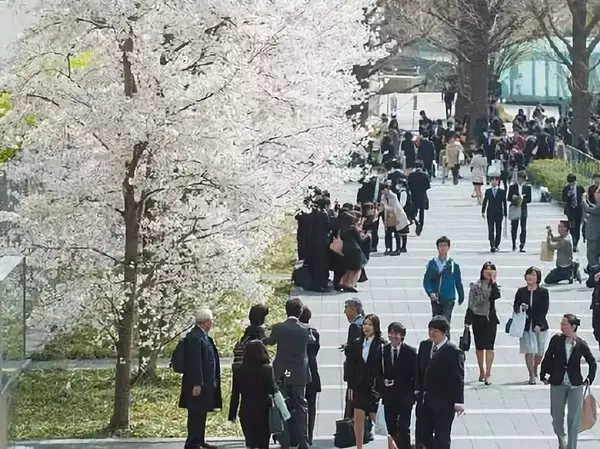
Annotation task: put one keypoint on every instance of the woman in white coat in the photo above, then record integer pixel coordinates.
(478, 167)
(396, 222)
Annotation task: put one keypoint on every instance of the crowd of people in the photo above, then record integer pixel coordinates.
(279, 399)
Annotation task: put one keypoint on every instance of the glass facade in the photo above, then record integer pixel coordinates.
(540, 77)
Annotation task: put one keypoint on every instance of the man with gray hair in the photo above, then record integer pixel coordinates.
(201, 382)
(355, 315)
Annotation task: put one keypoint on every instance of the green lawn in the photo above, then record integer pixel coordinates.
(78, 404)
(51, 404)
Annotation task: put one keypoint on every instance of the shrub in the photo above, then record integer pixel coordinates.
(552, 174)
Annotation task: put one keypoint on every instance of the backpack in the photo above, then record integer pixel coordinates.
(178, 357)
(238, 351)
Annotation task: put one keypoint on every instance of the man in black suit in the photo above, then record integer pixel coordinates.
(355, 315)
(419, 184)
(291, 368)
(314, 387)
(494, 209)
(519, 195)
(201, 382)
(572, 198)
(399, 360)
(439, 386)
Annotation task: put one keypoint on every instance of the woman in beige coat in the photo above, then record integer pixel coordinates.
(453, 152)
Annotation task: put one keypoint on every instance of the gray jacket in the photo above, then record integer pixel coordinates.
(592, 222)
(291, 360)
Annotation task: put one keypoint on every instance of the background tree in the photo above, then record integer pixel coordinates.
(160, 171)
(575, 53)
(473, 31)
(385, 19)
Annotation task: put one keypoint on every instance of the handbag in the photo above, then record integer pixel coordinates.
(495, 169)
(514, 213)
(546, 253)
(276, 421)
(344, 433)
(336, 245)
(589, 410)
(517, 324)
(380, 424)
(464, 343)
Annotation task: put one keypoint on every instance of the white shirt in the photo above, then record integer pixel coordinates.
(438, 346)
(366, 348)
(568, 350)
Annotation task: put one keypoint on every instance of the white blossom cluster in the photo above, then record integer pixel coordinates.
(234, 108)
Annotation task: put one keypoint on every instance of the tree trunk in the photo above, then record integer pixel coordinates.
(126, 320)
(463, 94)
(478, 116)
(580, 96)
(120, 417)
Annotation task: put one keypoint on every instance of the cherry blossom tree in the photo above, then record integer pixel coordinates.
(158, 171)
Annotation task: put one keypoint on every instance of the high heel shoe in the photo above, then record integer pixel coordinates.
(487, 381)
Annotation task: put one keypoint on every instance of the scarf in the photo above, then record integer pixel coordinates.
(479, 298)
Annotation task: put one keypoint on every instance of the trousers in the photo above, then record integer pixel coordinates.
(397, 420)
(572, 398)
(514, 226)
(559, 274)
(494, 231)
(196, 428)
(444, 309)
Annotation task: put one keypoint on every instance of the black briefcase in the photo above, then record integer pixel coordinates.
(344, 433)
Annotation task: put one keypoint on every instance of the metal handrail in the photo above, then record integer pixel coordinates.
(581, 163)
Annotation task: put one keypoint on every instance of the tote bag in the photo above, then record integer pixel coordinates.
(514, 213)
(589, 411)
(495, 169)
(380, 427)
(517, 325)
(546, 253)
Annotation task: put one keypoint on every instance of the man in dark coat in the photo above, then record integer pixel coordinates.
(426, 154)
(201, 383)
(419, 184)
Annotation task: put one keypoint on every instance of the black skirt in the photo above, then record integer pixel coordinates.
(484, 332)
(366, 398)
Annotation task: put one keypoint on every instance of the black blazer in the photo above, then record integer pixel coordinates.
(418, 184)
(555, 363)
(513, 190)
(579, 191)
(312, 350)
(494, 205)
(536, 314)
(354, 333)
(440, 380)
(361, 373)
(402, 373)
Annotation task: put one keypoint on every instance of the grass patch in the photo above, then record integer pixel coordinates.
(81, 342)
(552, 174)
(12, 339)
(78, 404)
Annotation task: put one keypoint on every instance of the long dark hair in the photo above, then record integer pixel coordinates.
(255, 354)
(376, 322)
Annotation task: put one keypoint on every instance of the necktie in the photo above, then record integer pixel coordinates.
(395, 356)
(435, 349)
(494, 191)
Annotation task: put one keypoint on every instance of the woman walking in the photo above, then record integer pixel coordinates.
(562, 363)
(481, 315)
(256, 384)
(478, 167)
(365, 374)
(534, 301)
(396, 222)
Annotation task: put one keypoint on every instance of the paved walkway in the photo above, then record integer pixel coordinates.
(507, 414)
